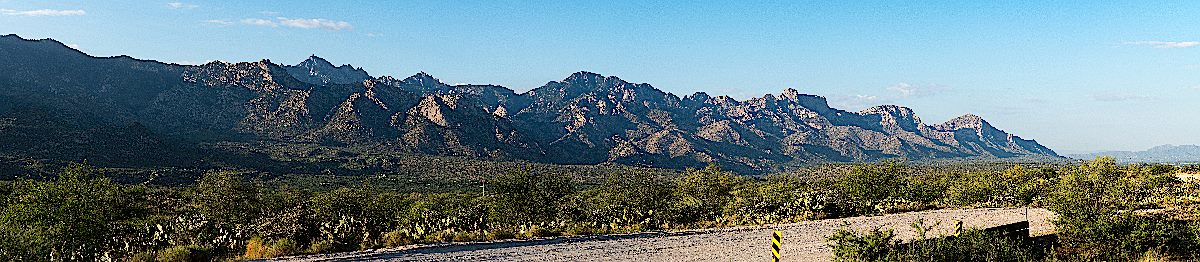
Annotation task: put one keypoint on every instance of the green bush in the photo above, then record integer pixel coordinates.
(874, 245)
(189, 253)
(969, 245)
(71, 217)
(526, 198)
(1106, 211)
(624, 199)
(226, 198)
(701, 194)
(259, 248)
(869, 185)
(1096, 203)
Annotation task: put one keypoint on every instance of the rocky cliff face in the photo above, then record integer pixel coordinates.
(586, 118)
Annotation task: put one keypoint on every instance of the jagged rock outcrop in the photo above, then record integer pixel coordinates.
(318, 71)
(585, 118)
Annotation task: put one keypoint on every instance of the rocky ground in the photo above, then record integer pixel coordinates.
(803, 241)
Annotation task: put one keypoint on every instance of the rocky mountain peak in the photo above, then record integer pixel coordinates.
(586, 118)
(965, 121)
(769, 98)
(891, 110)
(811, 102)
(584, 77)
(315, 61)
(318, 71)
(422, 79)
(696, 98)
(790, 94)
(893, 115)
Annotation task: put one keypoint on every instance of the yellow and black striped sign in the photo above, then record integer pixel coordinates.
(776, 242)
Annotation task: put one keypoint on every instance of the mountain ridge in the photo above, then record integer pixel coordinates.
(1159, 154)
(586, 118)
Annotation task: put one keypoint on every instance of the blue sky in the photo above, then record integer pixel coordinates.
(1077, 76)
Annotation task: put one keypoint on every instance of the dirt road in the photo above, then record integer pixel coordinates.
(803, 241)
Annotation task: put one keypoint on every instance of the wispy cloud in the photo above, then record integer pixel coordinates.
(180, 5)
(259, 22)
(218, 22)
(1120, 97)
(904, 90)
(315, 23)
(73, 46)
(42, 12)
(1167, 44)
(310, 23)
(857, 102)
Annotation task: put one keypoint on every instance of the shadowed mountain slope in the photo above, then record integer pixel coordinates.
(585, 118)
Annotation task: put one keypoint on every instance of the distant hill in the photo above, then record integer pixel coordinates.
(1158, 154)
(59, 103)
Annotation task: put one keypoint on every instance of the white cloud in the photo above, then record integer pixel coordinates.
(73, 46)
(315, 23)
(218, 22)
(374, 34)
(42, 12)
(904, 90)
(856, 102)
(1167, 44)
(259, 21)
(179, 5)
(1120, 97)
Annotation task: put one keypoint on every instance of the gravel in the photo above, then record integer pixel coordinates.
(804, 241)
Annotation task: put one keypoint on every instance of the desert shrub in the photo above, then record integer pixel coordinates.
(226, 198)
(285, 214)
(321, 246)
(527, 198)
(874, 245)
(1194, 169)
(1016, 186)
(1102, 211)
(189, 253)
(1096, 203)
(397, 238)
(258, 248)
(624, 199)
(969, 245)
(869, 185)
(775, 202)
(145, 256)
(433, 213)
(352, 218)
(701, 194)
(923, 189)
(71, 217)
(972, 189)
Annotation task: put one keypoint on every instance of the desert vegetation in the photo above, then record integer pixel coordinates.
(1106, 211)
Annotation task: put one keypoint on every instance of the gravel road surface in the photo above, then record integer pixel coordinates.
(803, 241)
